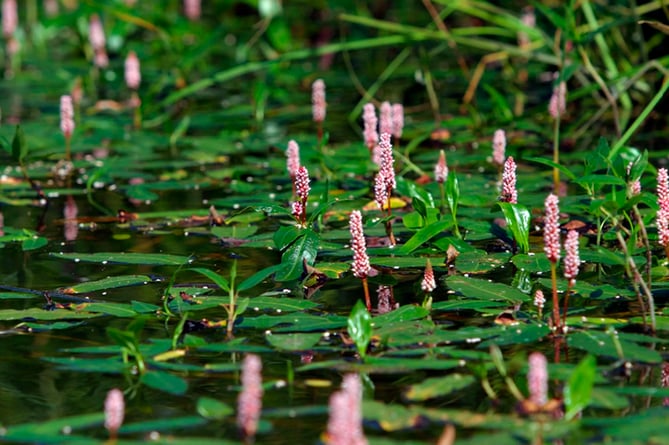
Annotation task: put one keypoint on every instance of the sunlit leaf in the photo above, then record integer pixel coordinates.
(293, 342)
(579, 387)
(360, 327)
(438, 387)
(124, 258)
(164, 381)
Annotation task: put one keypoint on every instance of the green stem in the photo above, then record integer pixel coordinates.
(556, 299)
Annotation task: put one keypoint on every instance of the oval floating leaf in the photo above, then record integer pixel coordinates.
(438, 387)
(293, 341)
(108, 283)
(156, 259)
(164, 381)
(484, 290)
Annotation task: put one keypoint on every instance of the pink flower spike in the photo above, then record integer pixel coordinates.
(386, 118)
(10, 18)
(663, 189)
(558, 103)
(370, 123)
(380, 190)
(385, 300)
(509, 192)
(96, 33)
(537, 378)
(529, 19)
(345, 420)
(360, 265)
(51, 7)
(318, 100)
(387, 161)
(428, 284)
(192, 9)
(297, 209)
(539, 299)
(302, 184)
(133, 75)
(441, 169)
(249, 402)
(398, 121)
(114, 411)
(662, 221)
(499, 147)
(293, 158)
(571, 259)
(552, 229)
(66, 116)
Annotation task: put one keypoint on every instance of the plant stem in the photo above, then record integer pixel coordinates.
(365, 287)
(556, 300)
(556, 154)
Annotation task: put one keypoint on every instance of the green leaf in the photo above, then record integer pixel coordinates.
(42, 314)
(19, 146)
(484, 290)
(424, 235)
(294, 341)
(108, 283)
(285, 235)
(598, 180)
(360, 327)
(164, 381)
(518, 221)
(156, 259)
(438, 387)
(213, 409)
(579, 387)
(33, 243)
(258, 277)
(213, 276)
(564, 170)
(304, 249)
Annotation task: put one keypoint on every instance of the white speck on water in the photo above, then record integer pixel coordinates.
(249, 179)
(272, 196)
(285, 291)
(205, 201)
(235, 206)
(154, 435)
(473, 340)
(76, 260)
(466, 275)
(256, 308)
(326, 335)
(268, 332)
(67, 430)
(190, 260)
(462, 362)
(104, 293)
(278, 311)
(186, 233)
(280, 384)
(105, 262)
(540, 273)
(396, 267)
(531, 253)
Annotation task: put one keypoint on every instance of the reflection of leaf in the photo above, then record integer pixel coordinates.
(438, 387)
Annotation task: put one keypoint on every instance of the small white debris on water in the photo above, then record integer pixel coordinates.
(278, 311)
(205, 201)
(154, 435)
(473, 340)
(76, 260)
(481, 169)
(67, 430)
(466, 275)
(104, 293)
(326, 335)
(256, 308)
(268, 332)
(280, 384)
(617, 296)
(584, 319)
(539, 273)
(186, 233)
(249, 179)
(111, 187)
(190, 260)
(285, 291)
(396, 267)
(235, 206)
(104, 262)
(462, 362)
(272, 195)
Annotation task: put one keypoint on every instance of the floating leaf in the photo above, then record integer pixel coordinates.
(423, 236)
(164, 381)
(438, 387)
(157, 259)
(108, 283)
(213, 409)
(42, 314)
(484, 290)
(293, 342)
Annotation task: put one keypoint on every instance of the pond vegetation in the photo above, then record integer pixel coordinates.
(349, 222)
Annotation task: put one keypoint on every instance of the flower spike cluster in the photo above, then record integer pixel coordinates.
(558, 103)
(96, 37)
(386, 124)
(441, 169)
(428, 284)
(114, 411)
(537, 378)
(361, 266)
(572, 260)
(509, 192)
(133, 75)
(302, 188)
(66, 116)
(318, 100)
(370, 122)
(398, 121)
(293, 159)
(662, 216)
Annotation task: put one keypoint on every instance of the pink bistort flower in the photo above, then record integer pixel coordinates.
(558, 103)
(428, 284)
(572, 260)
(440, 168)
(66, 116)
(114, 411)
(133, 75)
(10, 18)
(192, 9)
(552, 229)
(249, 402)
(345, 421)
(663, 189)
(293, 158)
(361, 266)
(96, 37)
(386, 118)
(499, 147)
(370, 121)
(509, 192)
(537, 378)
(318, 100)
(398, 121)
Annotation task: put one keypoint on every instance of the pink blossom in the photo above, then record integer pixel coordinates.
(70, 225)
(10, 18)
(386, 118)
(380, 190)
(66, 116)
(361, 266)
(96, 33)
(387, 161)
(558, 103)
(114, 411)
(428, 284)
(302, 187)
(539, 299)
(297, 209)
(633, 186)
(441, 169)
(249, 402)
(398, 121)
(370, 122)
(529, 19)
(51, 7)
(345, 420)
(192, 9)
(663, 189)
(552, 228)
(499, 147)
(509, 192)
(662, 221)
(318, 100)
(537, 378)
(571, 259)
(133, 75)
(293, 158)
